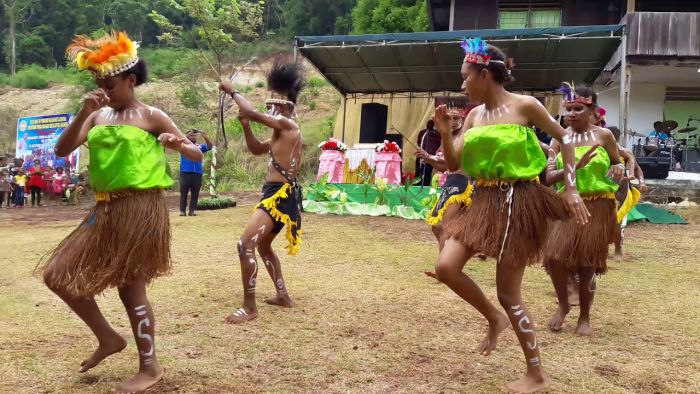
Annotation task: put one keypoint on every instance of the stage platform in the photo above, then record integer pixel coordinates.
(679, 186)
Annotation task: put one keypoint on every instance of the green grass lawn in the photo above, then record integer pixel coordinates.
(366, 318)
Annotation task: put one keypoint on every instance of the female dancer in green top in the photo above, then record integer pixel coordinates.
(571, 248)
(508, 216)
(124, 241)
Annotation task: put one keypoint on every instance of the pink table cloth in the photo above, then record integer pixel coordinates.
(388, 166)
(332, 163)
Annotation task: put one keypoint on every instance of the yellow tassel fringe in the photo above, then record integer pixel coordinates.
(464, 198)
(632, 199)
(270, 204)
(502, 182)
(609, 196)
(109, 196)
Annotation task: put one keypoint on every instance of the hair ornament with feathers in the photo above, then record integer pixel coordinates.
(475, 52)
(107, 56)
(287, 80)
(568, 90)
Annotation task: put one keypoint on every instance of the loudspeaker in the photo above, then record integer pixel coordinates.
(654, 167)
(692, 160)
(373, 123)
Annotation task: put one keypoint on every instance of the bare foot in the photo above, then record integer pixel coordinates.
(431, 274)
(241, 316)
(528, 384)
(584, 328)
(557, 320)
(491, 339)
(281, 300)
(143, 380)
(104, 350)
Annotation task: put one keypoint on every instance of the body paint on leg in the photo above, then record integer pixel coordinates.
(517, 311)
(147, 355)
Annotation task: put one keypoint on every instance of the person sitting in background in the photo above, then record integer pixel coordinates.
(191, 174)
(429, 140)
(74, 187)
(659, 131)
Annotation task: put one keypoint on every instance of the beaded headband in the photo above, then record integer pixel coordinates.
(279, 101)
(570, 96)
(475, 52)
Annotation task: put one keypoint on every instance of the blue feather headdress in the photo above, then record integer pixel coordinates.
(475, 51)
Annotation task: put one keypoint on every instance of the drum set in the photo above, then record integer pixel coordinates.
(682, 146)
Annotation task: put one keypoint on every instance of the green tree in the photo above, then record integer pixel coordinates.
(219, 25)
(16, 12)
(32, 49)
(390, 16)
(318, 17)
(128, 15)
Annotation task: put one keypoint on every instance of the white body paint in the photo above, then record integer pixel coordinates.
(517, 311)
(111, 114)
(592, 285)
(141, 311)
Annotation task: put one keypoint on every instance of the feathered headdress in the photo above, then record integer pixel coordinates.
(285, 79)
(475, 52)
(568, 90)
(107, 56)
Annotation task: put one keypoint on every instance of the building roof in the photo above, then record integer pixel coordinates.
(430, 61)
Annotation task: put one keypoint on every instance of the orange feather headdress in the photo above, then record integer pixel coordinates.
(106, 56)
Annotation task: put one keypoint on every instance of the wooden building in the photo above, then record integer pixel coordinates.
(662, 55)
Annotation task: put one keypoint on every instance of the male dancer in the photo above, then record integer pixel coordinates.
(281, 202)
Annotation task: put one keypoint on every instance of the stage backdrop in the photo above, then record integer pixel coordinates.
(36, 138)
(407, 115)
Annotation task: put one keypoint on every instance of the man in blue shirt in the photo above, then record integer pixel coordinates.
(660, 131)
(191, 174)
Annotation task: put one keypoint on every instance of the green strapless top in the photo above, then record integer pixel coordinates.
(505, 152)
(126, 157)
(591, 180)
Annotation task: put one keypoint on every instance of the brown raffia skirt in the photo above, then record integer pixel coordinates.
(583, 246)
(124, 238)
(482, 226)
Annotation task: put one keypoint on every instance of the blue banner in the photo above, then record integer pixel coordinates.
(36, 138)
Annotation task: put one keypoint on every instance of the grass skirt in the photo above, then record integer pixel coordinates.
(482, 226)
(583, 246)
(125, 236)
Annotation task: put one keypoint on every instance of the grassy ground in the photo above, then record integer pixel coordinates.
(366, 319)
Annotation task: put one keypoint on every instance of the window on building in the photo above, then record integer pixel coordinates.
(532, 13)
